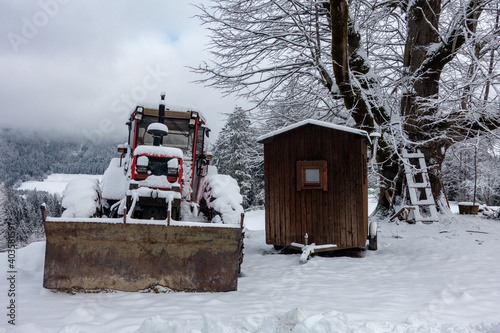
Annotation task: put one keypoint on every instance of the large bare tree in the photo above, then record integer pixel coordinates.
(424, 73)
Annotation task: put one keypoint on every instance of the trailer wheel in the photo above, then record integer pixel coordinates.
(241, 254)
(372, 237)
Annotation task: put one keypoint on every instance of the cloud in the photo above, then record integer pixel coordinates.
(70, 66)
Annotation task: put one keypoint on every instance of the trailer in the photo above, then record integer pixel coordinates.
(316, 187)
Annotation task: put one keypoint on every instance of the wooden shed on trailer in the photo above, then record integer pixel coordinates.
(316, 184)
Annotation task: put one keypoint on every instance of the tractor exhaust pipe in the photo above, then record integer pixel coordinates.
(161, 109)
(159, 130)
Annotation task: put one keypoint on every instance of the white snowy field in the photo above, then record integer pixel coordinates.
(443, 277)
(54, 183)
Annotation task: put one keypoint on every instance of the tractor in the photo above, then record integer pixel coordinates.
(161, 216)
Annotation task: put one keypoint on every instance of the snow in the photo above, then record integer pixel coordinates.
(192, 224)
(314, 122)
(442, 277)
(423, 278)
(467, 203)
(433, 48)
(222, 193)
(176, 107)
(154, 193)
(173, 163)
(307, 250)
(81, 198)
(142, 161)
(158, 151)
(114, 181)
(169, 196)
(54, 183)
(156, 181)
(86, 219)
(158, 128)
(373, 229)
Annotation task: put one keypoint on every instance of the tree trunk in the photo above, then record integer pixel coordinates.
(425, 56)
(419, 103)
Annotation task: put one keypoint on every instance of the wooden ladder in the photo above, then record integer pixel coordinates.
(419, 187)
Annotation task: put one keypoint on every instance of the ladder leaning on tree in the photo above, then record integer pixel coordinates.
(419, 187)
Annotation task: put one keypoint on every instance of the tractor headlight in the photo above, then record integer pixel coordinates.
(173, 167)
(142, 164)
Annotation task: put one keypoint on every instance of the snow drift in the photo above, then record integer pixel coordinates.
(81, 198)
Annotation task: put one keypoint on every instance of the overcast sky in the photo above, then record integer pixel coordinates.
(82, 66)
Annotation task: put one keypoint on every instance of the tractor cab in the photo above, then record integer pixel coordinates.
(185, 131)
(167, 158)
(180, 128)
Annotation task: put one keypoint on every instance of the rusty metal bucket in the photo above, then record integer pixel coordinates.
(110, 254)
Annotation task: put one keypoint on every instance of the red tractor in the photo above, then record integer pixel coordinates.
(165, 218)
(164, 161)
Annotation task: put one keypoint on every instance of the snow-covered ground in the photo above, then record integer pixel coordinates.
(443, 277)
(54, 183)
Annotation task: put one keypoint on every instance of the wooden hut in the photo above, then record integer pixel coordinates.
(316, 184)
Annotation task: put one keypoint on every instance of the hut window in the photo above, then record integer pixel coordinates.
(311, 175)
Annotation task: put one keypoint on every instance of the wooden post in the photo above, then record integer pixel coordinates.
(445, 195)
(388, 197)
(168, 217)
(124, 215)
(242, 219)
(44, 212)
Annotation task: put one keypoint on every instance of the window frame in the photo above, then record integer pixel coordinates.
(302, 184)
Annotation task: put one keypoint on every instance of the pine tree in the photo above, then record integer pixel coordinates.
(22, 211)
(237, 153)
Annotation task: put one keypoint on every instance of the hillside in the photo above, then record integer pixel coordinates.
(32, 156)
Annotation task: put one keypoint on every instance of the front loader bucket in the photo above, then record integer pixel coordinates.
(107, 254)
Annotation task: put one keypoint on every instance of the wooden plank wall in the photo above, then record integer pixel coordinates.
(337, 216)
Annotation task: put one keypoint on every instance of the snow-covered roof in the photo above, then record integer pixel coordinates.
(175, 108)
(317, 123)
(171, 107)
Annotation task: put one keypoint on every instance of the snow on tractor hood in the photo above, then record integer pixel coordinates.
(159, 151)
(155, 181)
